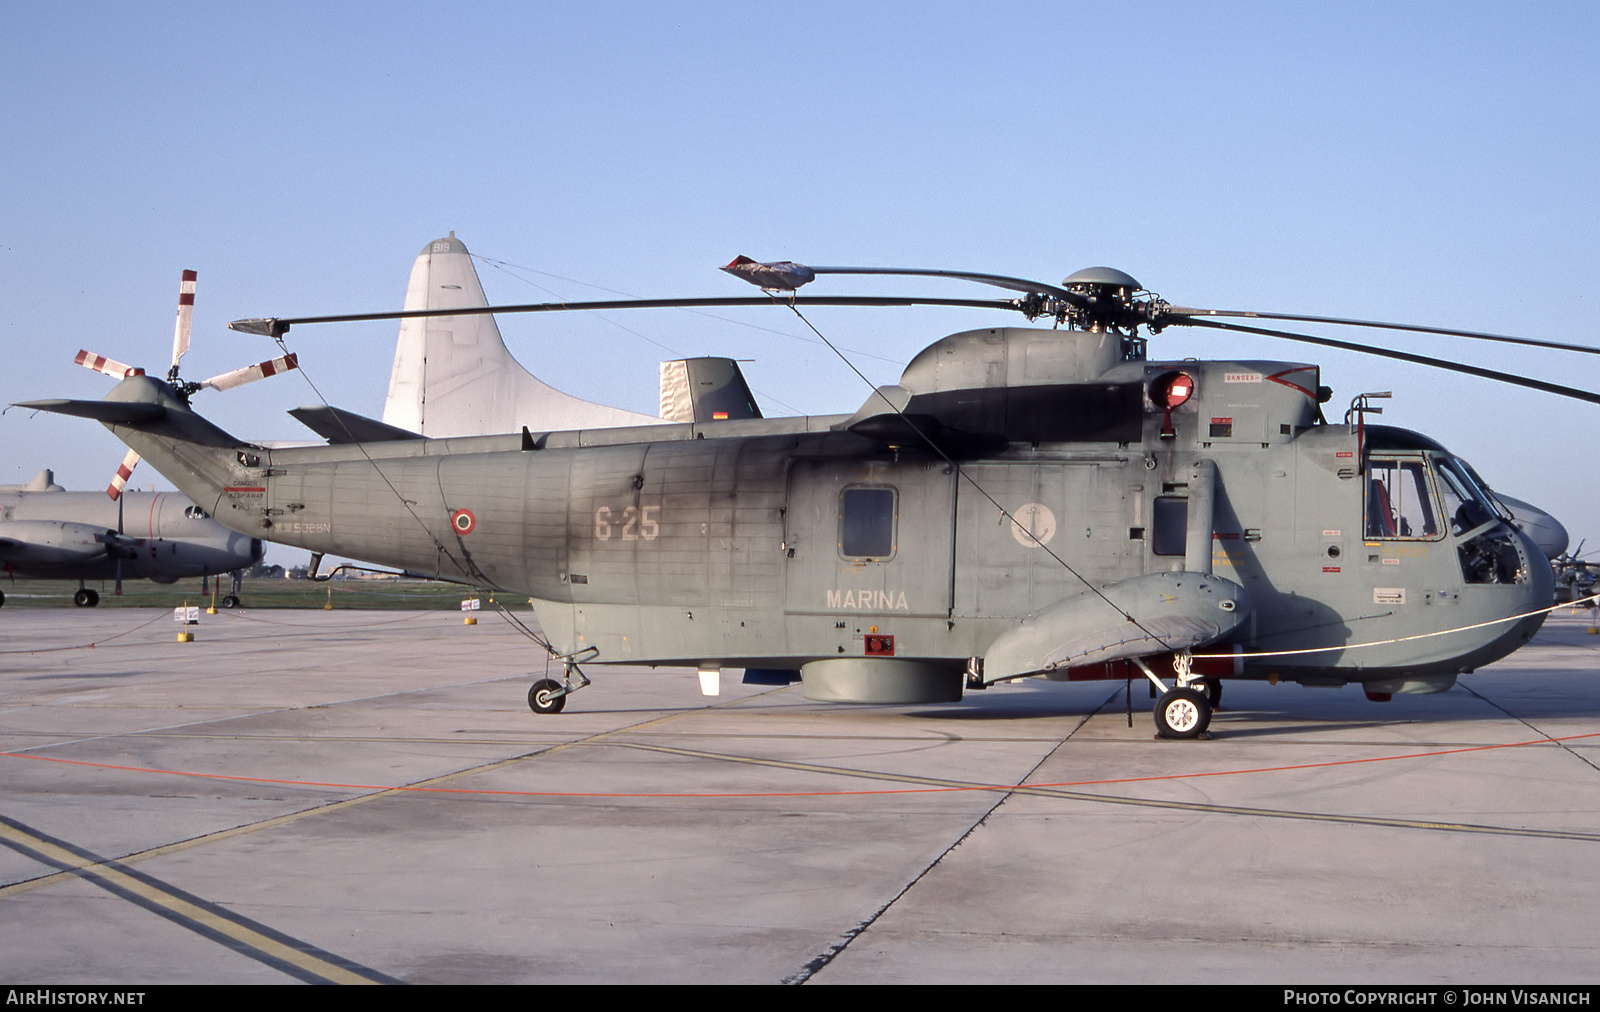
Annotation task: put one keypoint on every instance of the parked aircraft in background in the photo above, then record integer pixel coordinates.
(48, 533)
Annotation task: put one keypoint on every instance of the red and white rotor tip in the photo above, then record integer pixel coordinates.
(120, 482)
(109, 366)
(180, 333)
(251, 373)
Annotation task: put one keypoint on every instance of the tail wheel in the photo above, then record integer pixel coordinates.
(1182, 713)
(546, 696)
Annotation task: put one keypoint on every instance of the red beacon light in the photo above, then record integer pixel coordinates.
(1167, 391)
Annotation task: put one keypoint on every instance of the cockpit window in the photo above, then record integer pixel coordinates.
(1399, 504)
(196, 513)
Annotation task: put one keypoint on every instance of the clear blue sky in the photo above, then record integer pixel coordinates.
(1429, 163)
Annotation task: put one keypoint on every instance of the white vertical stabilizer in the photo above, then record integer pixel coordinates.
(453, 375)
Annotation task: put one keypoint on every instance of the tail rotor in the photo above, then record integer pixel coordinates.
(183, 388)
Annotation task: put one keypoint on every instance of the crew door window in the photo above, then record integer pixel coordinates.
(1170, 522)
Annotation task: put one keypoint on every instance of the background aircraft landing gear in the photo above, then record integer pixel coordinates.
(232, 599)
(85, 598)
(1182, 713)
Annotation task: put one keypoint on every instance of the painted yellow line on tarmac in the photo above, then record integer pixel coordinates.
(299, 959)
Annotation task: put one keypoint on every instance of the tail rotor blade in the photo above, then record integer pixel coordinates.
(120, 481)
(110, 366)
(249, 374)
(180, 333)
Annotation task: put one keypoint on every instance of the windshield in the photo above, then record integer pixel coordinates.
(1467, 505)
(1483, 486)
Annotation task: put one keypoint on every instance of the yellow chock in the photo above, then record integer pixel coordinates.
(328, 606)
(1593, 630)
(186, 637)
(211, 609)
(469, 620)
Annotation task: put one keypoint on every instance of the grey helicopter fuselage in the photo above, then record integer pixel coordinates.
(1071, 499)
(54, 534)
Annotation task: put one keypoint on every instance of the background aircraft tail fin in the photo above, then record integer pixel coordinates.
(454, 376)
(705, 390)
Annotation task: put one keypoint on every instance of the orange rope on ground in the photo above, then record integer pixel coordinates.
(90, 646)
(806, 794)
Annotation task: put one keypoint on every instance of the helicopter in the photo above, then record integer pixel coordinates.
(1025, 502)
(1575, 577)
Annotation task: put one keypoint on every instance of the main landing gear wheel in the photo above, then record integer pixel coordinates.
(230, 601)
(1212, 687)
(542, 697)
(1182, 713)
(85, 598)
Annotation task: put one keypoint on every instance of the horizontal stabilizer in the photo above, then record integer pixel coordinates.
(144, 404)
(337, 426)
(116, 412)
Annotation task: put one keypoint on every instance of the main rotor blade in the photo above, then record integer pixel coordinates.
(274, 326)
(997, 280)
(1377, 324)
(1406, 356)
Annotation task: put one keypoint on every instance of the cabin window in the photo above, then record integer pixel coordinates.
(1169, 522)
(866, 523)
(1399, 504)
